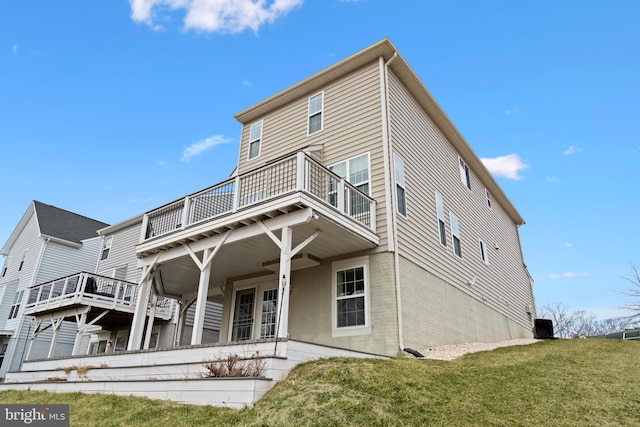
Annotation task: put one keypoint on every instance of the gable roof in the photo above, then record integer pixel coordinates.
(386, 50)
(56, 223)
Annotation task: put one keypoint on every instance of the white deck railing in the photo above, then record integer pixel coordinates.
(88, 289)
(295, 173)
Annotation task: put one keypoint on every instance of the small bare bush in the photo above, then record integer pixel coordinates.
(234, 366)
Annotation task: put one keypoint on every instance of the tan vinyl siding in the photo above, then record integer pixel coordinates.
(431, 164)
(352, 126)
(123, 252)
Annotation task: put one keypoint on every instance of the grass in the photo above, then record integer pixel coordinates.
(551, 383)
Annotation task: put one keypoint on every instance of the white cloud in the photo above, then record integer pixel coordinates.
(552, 179)
(512, 111)
(571, 150)
(216, 16)
(567, 275)
(568, 245)
(14, 49)
(201, 146)
(247, 83)
(508, 166)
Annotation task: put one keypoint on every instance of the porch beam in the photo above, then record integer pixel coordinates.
(293, 218)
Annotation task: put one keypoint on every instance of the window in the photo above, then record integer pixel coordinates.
(255, 312)
(455, 234)
(255, 137)
(106, 247)
(316, 105)
(15, 307)
(488, 196)
(243, 315)
(356, 172)
(350, 309)
(401, 203)
(269, 314)
(484, 254)
(441, 228)
(464, 174)
(6, 265)
(24, 257)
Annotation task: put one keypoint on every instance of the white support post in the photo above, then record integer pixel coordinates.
(300, 160)
(236, 194)
(201, 302)
(80, 321)
(32, 340)
(340, 194)
(137, 324)
(152, 315)
(185, 212)
(54, 339)
(285, 284)
(145, 226)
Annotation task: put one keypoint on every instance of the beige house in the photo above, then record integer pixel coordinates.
(359, 218)
(358, 222)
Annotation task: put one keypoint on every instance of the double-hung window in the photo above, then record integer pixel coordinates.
(441, 218)
(350, 309)
(316, 107)
(15, 307)
(455, 235)
(255, 139)
(24, 257)
(6, 265)
(484, 254)
(464, 174)
(106, 247)
(401, 202)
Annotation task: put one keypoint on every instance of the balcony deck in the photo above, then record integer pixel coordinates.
(284, 186)
(92, 290)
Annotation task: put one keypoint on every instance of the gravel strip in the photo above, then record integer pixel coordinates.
(453, 351)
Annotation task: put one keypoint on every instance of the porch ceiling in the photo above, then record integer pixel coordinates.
(179, 276)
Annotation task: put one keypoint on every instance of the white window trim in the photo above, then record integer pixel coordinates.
(347, 170)
(488, 197)
(259, 139)
(484, 253)
(5, 267)
(260, 284)
(398, 168)
(321, 112)
(106, 247)
(23, 260)
(350, 330)
(455, 233)
(465, 173)
(16, 305)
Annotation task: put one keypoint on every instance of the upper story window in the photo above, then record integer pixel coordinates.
(255, 139)
(6, 265)
(488, 196)
(356, 172)
(401, 202)
(455, 235)
(106, 247)
(24, 257)
(316, 106)
(15, 307)
(484, 254)
(441, 227)
(464, 174)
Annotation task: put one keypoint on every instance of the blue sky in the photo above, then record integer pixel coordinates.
(112, 108)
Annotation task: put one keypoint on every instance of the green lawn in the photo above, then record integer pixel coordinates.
(552, 383)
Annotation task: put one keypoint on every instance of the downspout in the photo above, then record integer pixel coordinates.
(393, 230)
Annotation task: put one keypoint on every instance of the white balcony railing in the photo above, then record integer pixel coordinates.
(295, 173)
(88, 289)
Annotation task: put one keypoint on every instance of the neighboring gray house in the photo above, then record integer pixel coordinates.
(47, 243)
(358, 222)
